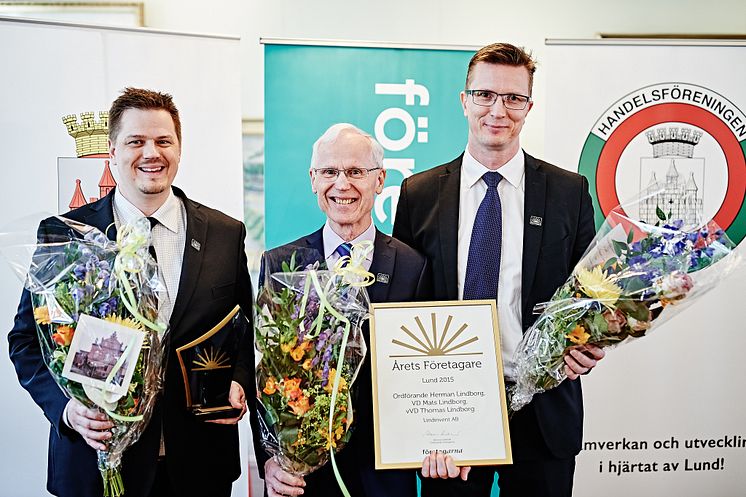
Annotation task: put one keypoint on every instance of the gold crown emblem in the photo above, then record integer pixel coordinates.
(211, 359)
(433, 343)
(90, 135)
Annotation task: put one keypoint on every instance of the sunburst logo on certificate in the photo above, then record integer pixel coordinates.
(435, 342)
(211, 359)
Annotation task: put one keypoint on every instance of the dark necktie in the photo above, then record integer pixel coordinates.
(344, 251)
(151, 249)
(483, 264)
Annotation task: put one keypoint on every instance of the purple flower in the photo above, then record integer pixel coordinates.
(635, 260)
(108, 307)
(79, 272)
(674, 225)
(91, 263)
(296, 311)
(327, 355)
(325, 375)
(312, 311)
(321, 339)
(104, 276)
(77, 294)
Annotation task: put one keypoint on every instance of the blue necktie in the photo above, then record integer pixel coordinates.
(344, 251)
(483, 264)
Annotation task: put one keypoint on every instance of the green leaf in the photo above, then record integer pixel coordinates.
(637, 310)
(619, 247)
(270, 415)
(659, 212)
(609, 263)
(630, 236)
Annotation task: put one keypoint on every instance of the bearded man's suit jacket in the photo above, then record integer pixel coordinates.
(214, 279)
(408, 280)
(558, 227)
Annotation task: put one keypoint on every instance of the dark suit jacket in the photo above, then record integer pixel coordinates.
(409, 280)
(213, 280)
(427, 219)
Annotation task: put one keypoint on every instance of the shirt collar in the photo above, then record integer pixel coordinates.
(513, 171)
(333, 240)
(167, 214)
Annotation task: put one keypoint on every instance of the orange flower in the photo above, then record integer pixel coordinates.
(271, 386)
(292, 389)
(41, 314)
(307, 364)
(339, 432)
(578, 335)
(64, 335)
(330, 383)
(300, 406)
(287, 347)
(298, 353)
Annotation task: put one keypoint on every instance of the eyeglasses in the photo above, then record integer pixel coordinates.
(511, 101)
(352, 173)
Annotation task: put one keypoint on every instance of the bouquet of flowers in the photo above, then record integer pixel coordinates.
(95, 304)
(308, 331)
(634, 275)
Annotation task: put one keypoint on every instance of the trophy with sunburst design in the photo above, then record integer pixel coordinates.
(207, 367)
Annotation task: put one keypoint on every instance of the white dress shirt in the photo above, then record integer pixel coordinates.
(333, 240)
(512, 192)
(169, 237)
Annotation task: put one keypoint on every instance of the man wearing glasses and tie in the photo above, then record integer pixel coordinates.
(496, 223)
(346, 175)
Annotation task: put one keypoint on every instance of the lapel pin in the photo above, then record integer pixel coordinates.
(535, 221)
(382, 278)
(196, 245)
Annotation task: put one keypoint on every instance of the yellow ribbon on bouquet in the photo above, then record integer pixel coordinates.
(353, 274)
(131, 238)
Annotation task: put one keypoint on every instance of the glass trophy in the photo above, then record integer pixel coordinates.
(207, 365)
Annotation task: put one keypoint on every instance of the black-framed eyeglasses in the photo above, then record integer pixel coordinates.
(352, 173)
(486, 98)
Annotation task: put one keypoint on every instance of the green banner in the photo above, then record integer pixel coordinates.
(407, 98)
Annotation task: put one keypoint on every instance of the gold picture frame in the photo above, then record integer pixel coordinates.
(404, 385)
(122, 14)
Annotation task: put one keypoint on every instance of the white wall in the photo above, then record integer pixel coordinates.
(464, 22)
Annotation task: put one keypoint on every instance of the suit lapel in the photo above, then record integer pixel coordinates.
(192, 260)
(384, 257)
(534, 203)
(102, 216)
(448, 206)
(316, 241)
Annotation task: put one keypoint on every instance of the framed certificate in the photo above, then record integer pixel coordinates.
(438, 383)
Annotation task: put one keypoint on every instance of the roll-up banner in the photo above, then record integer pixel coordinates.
(664, 415)
(58, 77)
(406, 96)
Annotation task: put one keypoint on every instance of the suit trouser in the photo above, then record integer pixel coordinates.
(162, 486)
(535, 472)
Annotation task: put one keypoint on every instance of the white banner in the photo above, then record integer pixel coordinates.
(53, 70)
(664, 415)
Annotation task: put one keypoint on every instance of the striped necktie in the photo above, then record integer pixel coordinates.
(344, 250)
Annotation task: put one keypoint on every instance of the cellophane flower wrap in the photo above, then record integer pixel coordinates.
(77, 271)
(309, 333)
(633, 277)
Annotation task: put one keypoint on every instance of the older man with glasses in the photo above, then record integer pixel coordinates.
(346, 175)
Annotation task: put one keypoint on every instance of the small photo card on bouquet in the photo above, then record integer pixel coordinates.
(103, 354)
